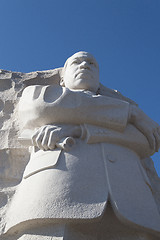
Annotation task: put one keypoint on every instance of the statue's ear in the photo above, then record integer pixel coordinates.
(62, 82)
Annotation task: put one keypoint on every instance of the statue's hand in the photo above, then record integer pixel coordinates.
(146, 125)
(46, 137)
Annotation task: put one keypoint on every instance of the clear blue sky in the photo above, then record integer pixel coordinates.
(123, 35)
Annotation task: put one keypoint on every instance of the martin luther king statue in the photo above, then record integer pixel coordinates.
(84, 179)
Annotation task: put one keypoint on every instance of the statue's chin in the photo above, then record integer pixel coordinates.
(83, 83)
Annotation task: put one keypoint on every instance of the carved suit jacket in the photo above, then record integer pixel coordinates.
(104, 165)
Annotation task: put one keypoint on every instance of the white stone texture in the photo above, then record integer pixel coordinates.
(14, 157)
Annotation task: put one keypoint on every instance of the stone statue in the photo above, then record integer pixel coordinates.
(84, 179)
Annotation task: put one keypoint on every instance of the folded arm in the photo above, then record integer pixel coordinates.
(149, 128)
(50, 105)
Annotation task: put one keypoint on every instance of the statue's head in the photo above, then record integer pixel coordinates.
(81, 72)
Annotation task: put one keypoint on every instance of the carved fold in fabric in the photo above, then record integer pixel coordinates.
(71, 108)
(131, 138)
(40, 161)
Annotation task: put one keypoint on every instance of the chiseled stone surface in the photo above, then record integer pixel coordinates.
(13, 155)
(20, 213)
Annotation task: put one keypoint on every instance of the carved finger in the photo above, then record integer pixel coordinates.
(158, 130)
(52, 140)
(157, 140)
(39, 140)
(35, 135)
(40, 137)
(152, 141)
(46, 138)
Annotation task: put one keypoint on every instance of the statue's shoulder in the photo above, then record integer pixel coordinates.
(34, 91)
(115, 94)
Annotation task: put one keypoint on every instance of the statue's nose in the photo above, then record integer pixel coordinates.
(84, 65)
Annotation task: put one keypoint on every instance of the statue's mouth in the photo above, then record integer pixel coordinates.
(83, 72)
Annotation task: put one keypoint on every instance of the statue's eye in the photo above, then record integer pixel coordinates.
(75, 62)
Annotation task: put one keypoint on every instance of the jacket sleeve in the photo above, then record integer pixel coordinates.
(41, 105)
(131, 138)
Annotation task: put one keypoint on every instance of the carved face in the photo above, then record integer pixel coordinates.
(81, 71)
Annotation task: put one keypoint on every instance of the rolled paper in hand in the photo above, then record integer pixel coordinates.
(65, 143)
